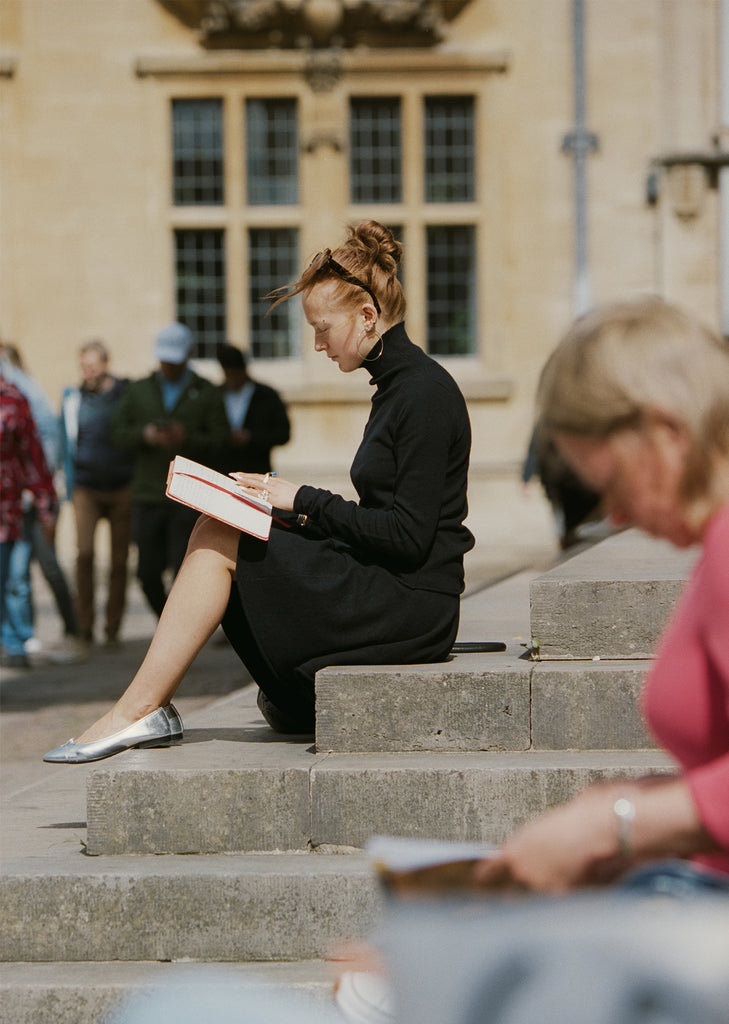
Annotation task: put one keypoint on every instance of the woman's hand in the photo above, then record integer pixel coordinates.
(568, 846)
(269, 487)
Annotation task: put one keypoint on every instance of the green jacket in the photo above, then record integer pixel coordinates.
(199, 409)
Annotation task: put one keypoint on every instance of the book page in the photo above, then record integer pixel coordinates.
(194, 472)
(401, 853)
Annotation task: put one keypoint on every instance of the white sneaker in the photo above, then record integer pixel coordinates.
(33, 645)
(69, 651)
(364, 997)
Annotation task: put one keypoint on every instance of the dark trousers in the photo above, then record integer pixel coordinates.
(91, 505)
(55, 577)
(161, 533)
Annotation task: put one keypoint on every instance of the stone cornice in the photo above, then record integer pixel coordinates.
(295, 24)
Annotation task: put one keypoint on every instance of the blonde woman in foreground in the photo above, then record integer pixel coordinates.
(636, 397)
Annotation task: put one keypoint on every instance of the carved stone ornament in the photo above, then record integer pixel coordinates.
(315, 24)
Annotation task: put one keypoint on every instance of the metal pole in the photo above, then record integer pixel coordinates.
(580, 143)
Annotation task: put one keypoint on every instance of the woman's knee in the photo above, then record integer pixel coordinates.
(211, 535)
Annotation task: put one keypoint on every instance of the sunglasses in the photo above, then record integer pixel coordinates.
(325, 261)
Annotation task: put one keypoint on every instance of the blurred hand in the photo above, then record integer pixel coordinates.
(164, 435)
(240, 438)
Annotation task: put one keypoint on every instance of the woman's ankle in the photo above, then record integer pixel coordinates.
(132, 711)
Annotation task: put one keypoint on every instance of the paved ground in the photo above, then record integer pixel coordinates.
(45, 705)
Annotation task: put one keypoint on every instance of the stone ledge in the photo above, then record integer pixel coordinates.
(455, 796)
(198, 811)
(225, 908)
(482, 703)
(611, 601)
(230, 804)
(474, 702)
(588, 706)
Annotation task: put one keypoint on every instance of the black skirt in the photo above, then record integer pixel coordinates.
(300, 603)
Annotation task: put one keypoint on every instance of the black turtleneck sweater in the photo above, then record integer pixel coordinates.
(410, 472)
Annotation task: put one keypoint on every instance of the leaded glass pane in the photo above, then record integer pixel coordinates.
(449, 149)
(273, 259)
(272, 152)
(197, 152)
(200, 286)
(375, 158)
(451, 264)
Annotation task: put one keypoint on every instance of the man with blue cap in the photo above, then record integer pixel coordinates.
(172, 412)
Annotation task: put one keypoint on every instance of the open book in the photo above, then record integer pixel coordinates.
(218, 496)
(425, 866)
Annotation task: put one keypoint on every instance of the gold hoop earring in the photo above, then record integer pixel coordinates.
(370, 358)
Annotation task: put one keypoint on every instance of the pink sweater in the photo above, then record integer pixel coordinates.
(686, 697)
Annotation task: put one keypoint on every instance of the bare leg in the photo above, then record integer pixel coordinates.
(194, 609)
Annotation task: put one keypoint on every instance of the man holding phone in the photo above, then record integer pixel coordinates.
(172, 412)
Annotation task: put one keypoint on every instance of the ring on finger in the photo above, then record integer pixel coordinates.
(266, 478)
(264, 495)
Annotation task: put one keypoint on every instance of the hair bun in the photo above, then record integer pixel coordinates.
(379, 244)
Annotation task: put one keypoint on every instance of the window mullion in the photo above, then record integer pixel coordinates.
(237, 311)
(414, 215)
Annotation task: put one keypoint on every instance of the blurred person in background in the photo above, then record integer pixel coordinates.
(98, 481)
(34, 542)
(256, 414)
(23, 468)
(172, 412)
(574, 505)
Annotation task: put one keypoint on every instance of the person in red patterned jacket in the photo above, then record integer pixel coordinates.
(22, 468)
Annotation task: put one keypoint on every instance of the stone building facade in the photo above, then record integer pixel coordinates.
(165, 159)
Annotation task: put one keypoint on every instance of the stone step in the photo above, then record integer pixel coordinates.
(610, 601)
(281, 822)
(460, 706)
(87, 993)
(60, 904)
(499, 701)
(216, 909)
(481, 797)
(445, 796)
(472, 703)
(588, 706)
(239, 789)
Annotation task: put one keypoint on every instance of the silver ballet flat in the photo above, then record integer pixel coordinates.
(173, 717)
(154, 730)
